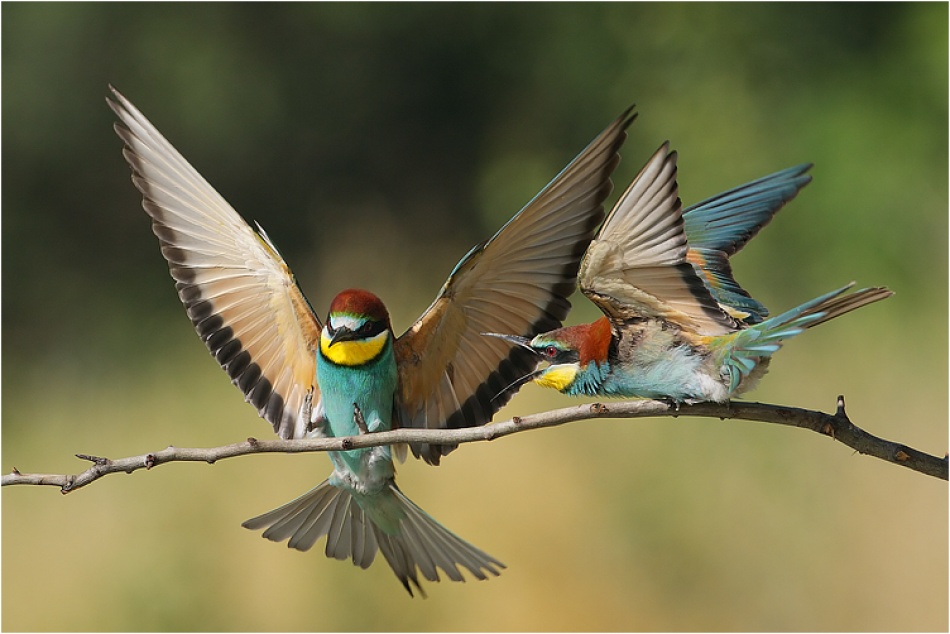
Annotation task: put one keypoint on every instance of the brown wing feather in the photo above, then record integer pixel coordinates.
(237, 290)
(518, 282)
(637, 265)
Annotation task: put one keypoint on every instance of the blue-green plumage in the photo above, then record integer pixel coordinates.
(370, 388)
(720, 226)
(676, 324)
(727, 221)
(359, 507)
(658, 361)
(362, 392)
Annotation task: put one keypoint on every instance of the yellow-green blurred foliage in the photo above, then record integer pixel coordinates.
(377, 143)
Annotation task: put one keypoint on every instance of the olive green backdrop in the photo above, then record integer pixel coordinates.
(377, 143)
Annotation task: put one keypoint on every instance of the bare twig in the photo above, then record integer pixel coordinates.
(836, 425)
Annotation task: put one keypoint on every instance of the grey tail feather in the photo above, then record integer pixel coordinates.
(818, 310)
(420, 544)
(842, 304)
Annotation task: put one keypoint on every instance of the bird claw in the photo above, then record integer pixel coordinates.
(358, 419)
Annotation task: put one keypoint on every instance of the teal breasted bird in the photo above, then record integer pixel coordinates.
(677, 326)
(351, 374)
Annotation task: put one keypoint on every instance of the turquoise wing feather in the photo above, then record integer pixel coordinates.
(720, 226)
(727, 221)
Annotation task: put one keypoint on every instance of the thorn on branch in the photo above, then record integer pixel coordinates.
(99, 462)
(839, 412)
(16, 472)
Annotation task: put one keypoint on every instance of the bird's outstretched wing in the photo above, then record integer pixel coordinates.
(637, 266)
(451, 375)
(718, 227)
(237, 289)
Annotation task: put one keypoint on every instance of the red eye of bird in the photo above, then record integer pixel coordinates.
(551, 351)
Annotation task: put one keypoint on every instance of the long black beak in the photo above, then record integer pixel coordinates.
(341, 334)
(524, 342)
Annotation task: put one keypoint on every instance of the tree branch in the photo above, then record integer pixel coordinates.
(836, 425)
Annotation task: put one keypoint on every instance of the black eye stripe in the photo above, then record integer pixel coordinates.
(371, 328)
(365, 331)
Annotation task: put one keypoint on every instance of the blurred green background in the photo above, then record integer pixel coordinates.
(377, 144)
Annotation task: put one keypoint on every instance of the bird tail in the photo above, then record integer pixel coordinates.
(748, 348)
(357, 525)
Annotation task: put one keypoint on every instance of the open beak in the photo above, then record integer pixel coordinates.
(524, 342)
(519, 382)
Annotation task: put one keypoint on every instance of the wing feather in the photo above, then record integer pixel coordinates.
(636, 267)
(450, 374)
(238, 291)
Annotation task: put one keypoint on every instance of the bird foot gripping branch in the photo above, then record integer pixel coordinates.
(358, 419)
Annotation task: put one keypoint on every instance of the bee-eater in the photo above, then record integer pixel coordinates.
(351, 374)
(676, 325)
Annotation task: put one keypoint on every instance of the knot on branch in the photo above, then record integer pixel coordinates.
(66, 488)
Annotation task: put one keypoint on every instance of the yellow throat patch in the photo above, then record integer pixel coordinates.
(558, 376)
(353, 352)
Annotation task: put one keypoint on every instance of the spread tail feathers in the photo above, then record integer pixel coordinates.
(410, 540)
(749, 347)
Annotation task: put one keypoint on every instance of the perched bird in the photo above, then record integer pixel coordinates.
(351, 374)
(677, 326)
